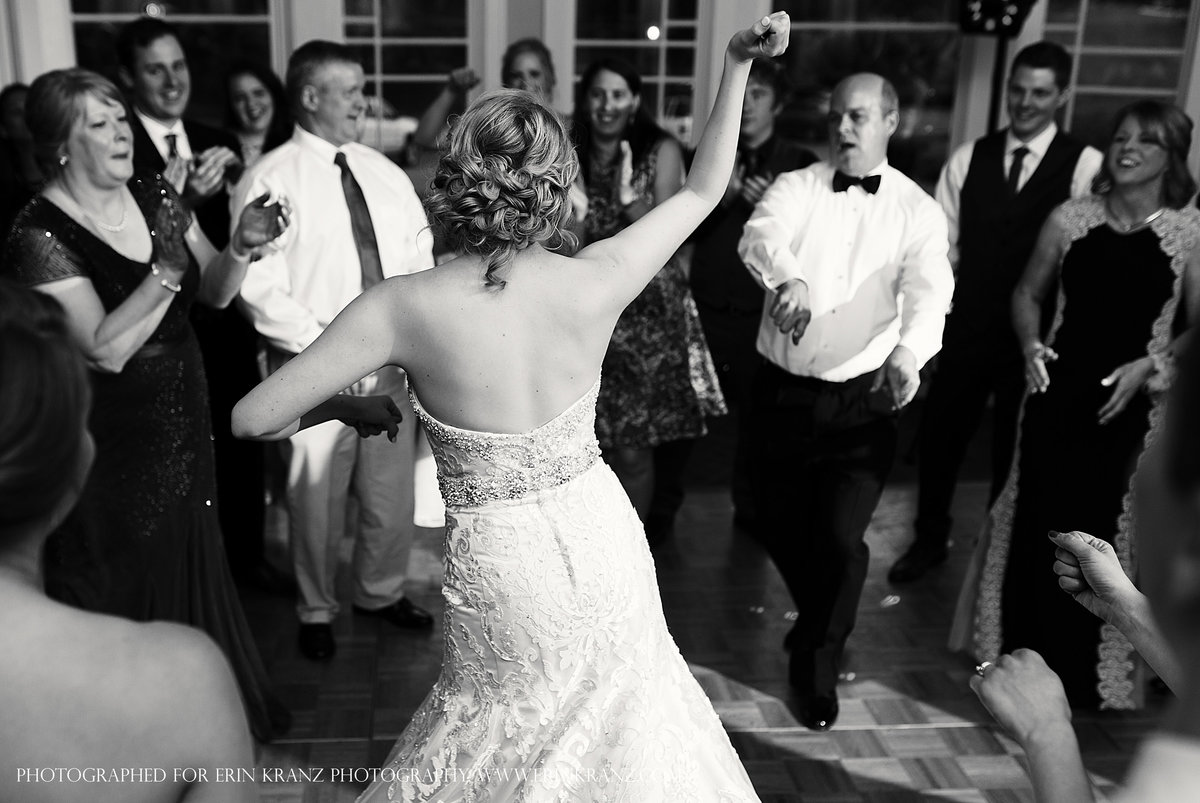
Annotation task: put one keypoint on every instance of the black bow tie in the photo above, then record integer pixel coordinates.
(843, 182)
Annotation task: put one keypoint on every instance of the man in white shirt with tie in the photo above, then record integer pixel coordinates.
(854, 256)
(997, 192)
(355, 221)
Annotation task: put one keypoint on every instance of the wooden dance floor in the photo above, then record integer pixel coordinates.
(910, 728)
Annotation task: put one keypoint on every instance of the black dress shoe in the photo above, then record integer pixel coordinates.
(401, 613)
(818, 712)
(316, 642)
(915, 562)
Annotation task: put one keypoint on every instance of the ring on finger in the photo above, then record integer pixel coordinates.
(981, 669)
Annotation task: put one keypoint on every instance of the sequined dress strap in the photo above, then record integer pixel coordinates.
(475, 468)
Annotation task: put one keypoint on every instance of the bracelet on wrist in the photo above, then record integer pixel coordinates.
(173, 287)
(241, 256)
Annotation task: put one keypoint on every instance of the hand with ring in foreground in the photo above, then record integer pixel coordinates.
(1025, 697)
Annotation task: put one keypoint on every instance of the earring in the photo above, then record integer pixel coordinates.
(62, 160)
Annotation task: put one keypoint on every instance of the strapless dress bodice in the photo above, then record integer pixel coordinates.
(476, 468)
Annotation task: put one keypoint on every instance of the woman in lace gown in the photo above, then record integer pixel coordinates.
(559, 679)
(659, 379)
(1127, 259)
(126, 263)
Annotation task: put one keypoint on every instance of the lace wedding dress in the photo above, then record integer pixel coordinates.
(559, 681)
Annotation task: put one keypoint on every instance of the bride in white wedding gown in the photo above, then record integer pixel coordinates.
(560, 680)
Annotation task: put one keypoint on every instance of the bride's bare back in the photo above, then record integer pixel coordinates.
(509, 335)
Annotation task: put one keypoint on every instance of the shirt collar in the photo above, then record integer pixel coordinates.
(157, 129)
(323, 148)
(1036, 146)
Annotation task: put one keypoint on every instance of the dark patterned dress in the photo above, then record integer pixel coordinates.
(659, 380)
(144, 541)
(1118, 297)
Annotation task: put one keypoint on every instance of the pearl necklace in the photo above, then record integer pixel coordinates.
(108, 227)
(119, 227)
(1137, 224)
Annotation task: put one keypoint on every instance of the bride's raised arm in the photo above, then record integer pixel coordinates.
(632, 257)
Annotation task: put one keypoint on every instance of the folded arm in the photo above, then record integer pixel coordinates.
(304, 392)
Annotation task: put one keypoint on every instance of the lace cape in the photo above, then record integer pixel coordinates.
(1177, 231)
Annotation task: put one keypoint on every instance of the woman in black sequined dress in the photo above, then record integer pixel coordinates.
(124, 259)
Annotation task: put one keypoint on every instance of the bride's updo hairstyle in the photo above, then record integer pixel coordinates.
(502, 183)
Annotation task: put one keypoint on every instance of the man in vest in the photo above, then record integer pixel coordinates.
(996, 192)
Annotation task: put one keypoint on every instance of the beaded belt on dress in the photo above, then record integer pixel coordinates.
(468, 490)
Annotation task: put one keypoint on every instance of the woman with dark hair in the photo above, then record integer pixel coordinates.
(659, 379)
(1124, 260)
(560, 679)
(126, 262)
(80, 689)
(256, 110)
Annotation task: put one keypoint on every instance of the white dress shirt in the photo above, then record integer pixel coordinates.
(954, 174)
(875, 266)
(158, 135)
(296, 290)
(1166, 770)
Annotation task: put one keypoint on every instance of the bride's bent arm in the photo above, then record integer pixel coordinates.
(632, 257)
(306, 390)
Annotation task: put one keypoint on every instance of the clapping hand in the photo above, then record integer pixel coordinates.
(207, 173)
(1088, 569)
(626, 194)
(766, 38)
(1037, 355)
(262, 221)
(1128, 379)
(753, 188)
(170, 251)
(577, 195)
(899, 377)
(372, 415)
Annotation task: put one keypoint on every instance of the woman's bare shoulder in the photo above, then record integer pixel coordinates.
(121, 677)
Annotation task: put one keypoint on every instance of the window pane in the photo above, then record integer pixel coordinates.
(681, 9)
(922, 66)
(233, 7)
(363, 30)
(616, 19)
(423, 18)
(1136, 23)
(359, 8)
(680, 33)
(410, 99)
(365, 54)
(207, 46)
(1130, 71)
(1062, 11)
(803, 11)
(1094, 115)
(422, 59)
(681, 61)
